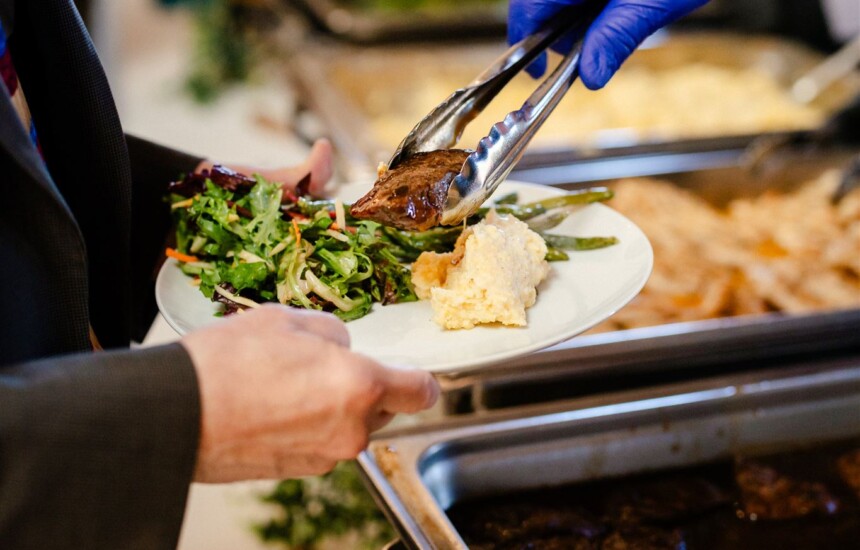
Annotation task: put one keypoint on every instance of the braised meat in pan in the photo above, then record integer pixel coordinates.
(769, 494)
(637, 537)
(412, 195)
(848, 466)
(802, 499)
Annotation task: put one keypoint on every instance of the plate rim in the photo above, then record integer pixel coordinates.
(460, 367)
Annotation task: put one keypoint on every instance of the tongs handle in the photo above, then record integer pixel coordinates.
(497, 153)
(444, 125)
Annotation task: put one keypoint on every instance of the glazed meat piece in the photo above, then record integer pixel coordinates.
(848, 466)
(644, 538)
(767, 494)
(664, 500)
(412, 196)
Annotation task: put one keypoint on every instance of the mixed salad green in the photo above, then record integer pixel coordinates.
(247, 241)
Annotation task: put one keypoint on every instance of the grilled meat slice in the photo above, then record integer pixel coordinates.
(412, 196)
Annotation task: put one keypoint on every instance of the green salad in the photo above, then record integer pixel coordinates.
(247, 241)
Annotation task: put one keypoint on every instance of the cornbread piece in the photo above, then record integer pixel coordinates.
(431, 270)
(490, 277)
(412, 195)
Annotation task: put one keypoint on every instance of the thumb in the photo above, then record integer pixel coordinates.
(319, 164)
(407, 390)
(618, 31)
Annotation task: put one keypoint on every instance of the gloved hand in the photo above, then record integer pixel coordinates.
(617, 31)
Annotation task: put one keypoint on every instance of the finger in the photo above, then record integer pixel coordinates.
(537, 67)
(523, 22)
(407, 390)
(319, 164)
(520, 24)
(618, 31)
(525, 17)
(379, 420)
(324, 325)
(320, 324)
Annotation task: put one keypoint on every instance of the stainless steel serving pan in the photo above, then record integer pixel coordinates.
(370, 97)
(417, 474)
(373, 22)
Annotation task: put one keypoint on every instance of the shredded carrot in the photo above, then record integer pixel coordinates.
(298, 233)
(175, 254)
(349, 228)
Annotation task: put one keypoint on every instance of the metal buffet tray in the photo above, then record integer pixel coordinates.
(595, 362)
(417, 474)
(368, 98)
(374, 22)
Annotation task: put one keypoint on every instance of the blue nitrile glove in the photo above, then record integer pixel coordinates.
(617, 31)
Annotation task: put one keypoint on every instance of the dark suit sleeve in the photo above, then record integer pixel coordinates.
(97, 450)
(153, 167)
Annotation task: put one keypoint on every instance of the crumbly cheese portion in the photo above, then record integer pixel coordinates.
(491, 277)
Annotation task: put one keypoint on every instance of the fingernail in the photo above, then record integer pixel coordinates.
(433, 391)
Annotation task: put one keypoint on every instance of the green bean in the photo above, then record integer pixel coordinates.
(556, 255)
(584, 196)
(438, 239)
(548, 220)
(309, 207)
(565, 242)
(510, 198)
(533, 209)
(515, 210)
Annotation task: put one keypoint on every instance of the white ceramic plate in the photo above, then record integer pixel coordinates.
(577, 295)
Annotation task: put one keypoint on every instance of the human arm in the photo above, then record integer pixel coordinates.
(98, 449)
(616, 32)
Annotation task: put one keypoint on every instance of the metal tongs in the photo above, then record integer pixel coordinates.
(496, 154)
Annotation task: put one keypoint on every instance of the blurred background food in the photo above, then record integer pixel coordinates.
(785, 251)
(689, 86)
